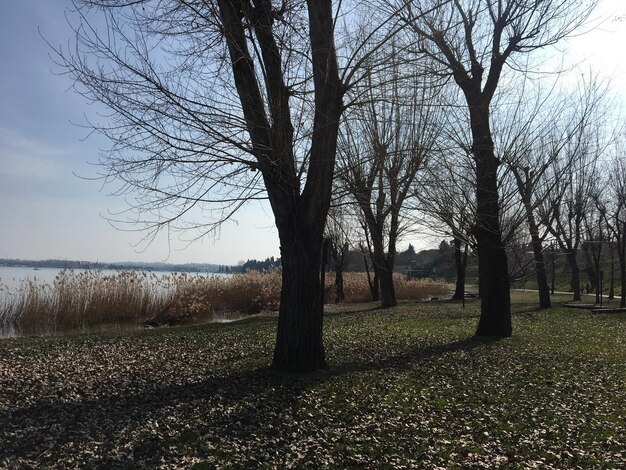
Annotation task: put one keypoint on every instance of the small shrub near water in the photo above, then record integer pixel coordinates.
(86, 299)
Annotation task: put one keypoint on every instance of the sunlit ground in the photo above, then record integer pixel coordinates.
(407, 387)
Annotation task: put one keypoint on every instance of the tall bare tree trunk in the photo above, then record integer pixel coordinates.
(383, 266)
(460, 262)
(495, 312)
(575, 279)
(299, 345)
(621, 253)
(300, 216)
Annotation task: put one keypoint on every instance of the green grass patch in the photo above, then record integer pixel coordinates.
(408, 387)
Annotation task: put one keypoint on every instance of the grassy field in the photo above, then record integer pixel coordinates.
(407, 387)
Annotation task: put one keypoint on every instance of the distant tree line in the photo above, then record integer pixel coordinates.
(118, 266)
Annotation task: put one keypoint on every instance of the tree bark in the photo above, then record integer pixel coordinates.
(373, 283)
(300, 213)
(460, 262)
(339, 292)
(540, 271)
(383, 266)
(299, 345)
(339, 255)
(612, 286)
(387, 289)
(495, 308)
(621, 254)
(575, 279)
(622, 270)
(525, 188)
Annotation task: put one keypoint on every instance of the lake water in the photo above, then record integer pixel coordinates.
(13, 276)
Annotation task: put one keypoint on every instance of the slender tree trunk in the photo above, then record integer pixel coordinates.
(495, 308)
(621, 254)
(598, 282)
(622, 271)
(373, 283)
(460, 262)
(339, 293)
(612, 286)
(525, 187)
(590, 267)
(553, 261)
(575, 280)
(540, 265)
(299, 346)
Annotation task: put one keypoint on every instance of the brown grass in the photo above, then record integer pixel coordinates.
(81, 300)
(357, 290)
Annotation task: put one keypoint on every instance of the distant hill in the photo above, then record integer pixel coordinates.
(125, 265)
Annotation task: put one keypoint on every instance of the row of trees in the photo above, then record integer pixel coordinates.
(217, 102)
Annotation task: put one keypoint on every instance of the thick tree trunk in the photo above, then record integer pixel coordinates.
(575, 279)
(299, 345)
(385, 274)
(383, 265)
(300, 212)
(493, 273)
(460, 262)
(387, 289)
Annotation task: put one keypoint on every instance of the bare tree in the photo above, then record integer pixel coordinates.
(383, 147)
(472, 41)
(565, 207)
(595, 234)
(340, 231)
(446, 202)
(612, 207)
(218, 102)
(539, 128)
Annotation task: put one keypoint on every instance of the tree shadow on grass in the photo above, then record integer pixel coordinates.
(409, 358)
(160, 420)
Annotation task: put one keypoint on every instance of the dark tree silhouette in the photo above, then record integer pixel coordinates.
(218, 102)
(472, 41)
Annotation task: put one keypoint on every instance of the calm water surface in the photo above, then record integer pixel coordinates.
(13, 276)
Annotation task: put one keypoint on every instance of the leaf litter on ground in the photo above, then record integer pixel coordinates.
(408, 387)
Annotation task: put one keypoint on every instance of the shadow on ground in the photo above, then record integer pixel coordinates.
(163, 421)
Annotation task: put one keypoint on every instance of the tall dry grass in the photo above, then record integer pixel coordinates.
(356, 288)
(83, 300)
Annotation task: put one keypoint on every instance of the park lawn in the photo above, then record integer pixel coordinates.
(407, 387)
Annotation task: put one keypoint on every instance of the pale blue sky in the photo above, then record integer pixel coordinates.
(48, 212)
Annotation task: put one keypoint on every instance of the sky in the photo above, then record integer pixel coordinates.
(49, 207)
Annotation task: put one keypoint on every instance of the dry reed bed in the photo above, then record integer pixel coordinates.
(80, 300)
